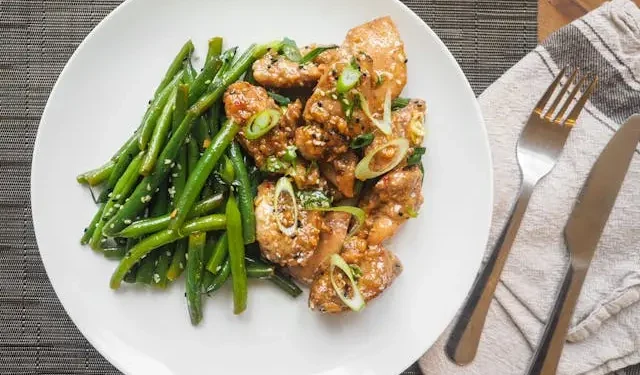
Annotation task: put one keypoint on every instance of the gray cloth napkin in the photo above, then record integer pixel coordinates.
(605, 331)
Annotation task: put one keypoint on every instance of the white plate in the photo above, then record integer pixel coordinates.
(99, 100)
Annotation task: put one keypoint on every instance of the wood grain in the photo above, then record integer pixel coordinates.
(553, 14)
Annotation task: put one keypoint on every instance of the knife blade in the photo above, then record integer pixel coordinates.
(600, 190)
(582, 234)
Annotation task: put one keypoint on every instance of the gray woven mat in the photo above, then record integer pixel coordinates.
(36, 39)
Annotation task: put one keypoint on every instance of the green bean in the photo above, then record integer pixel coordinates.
(213, 117)
(176, 66)
(215, 47)
(162, 266)
(238, 68)
(141, 196)
(181, 105)
(201, 172)
(119, 167)
(245, 194)
(130, 277)
(220, 251)
(203, 80)
(193, 155)
(155, 109)
(146, 268)
(194, 276)
(120, 193)
(190, 73)
(116, 253)
(154, 241)
(200, 133)
(236, 256)
(226, 170)
(97, 176)
(154, 224)
(159, 136)
(285, 283)
(178, 261)
(212, 284)
(88, 231)
(259, 271)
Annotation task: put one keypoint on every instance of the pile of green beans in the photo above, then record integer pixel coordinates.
(161, 211)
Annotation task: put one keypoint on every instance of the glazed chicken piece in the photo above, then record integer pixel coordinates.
(380, 40)
(243, 100)
(336, 225)
(391, 202)
(276, 246)
(378, 268)
(341, 172)
(274, 70)
(408, 123)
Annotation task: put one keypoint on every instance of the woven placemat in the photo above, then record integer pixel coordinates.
(37, 37)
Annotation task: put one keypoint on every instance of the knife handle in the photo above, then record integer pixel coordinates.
(464, 339)
(547, 356)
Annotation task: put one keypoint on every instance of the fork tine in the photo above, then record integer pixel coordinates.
(575, 112)
(560, 95)
(547, 95)
(567, 102)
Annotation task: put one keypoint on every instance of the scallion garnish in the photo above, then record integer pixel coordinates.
(363, 169)
(385, 124)
(260, 123)
(284, 186)
(290, 50)
(355, 303)
(363, 140)
(315, 53)
(349, 78)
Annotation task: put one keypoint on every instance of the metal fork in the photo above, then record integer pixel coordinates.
(538, 149)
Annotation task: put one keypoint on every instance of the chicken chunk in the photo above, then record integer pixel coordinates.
(378, 268)
(341, 171)
(332, 238)
(273, 70)
(243, 100)
(380, 40)
(316, 143)
(276, 246)
(408, 123)
(392, 201)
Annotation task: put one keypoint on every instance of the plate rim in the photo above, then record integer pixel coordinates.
(103, 350)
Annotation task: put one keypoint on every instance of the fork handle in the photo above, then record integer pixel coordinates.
(547, 356)
(464, 339)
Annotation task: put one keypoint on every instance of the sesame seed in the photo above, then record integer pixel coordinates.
(149, 187)
(179, 166)
(127, 221)
(112, 226)
(174, 175)
(167, 161)
(181, 265)
(156, 278)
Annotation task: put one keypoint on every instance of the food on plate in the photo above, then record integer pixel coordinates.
(278, 163)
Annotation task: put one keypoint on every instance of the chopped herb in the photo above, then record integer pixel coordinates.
(280, 99)
(399, 103)
(379, 79)
(416, 156)
(411, 212)
(275, 165)
(315, 53)
(313, 198)
(363, 140)
(290, 154)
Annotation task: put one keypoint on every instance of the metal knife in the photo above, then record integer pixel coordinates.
(581, 234)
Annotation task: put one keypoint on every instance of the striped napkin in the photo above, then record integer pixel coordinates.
(605, 333)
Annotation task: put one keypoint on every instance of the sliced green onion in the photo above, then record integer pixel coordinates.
(363, 140)
(416, 156)
(315, 53)
(284, 186)
(385, 124)
(313, 198)
(290, 154)
(399, 103)
(356, 212)
(280, 99)
(363, 169)
(260, 123)
(355, 303)
(290, 50)
(348, 79)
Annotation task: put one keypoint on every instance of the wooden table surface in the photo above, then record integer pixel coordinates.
(554, 14)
